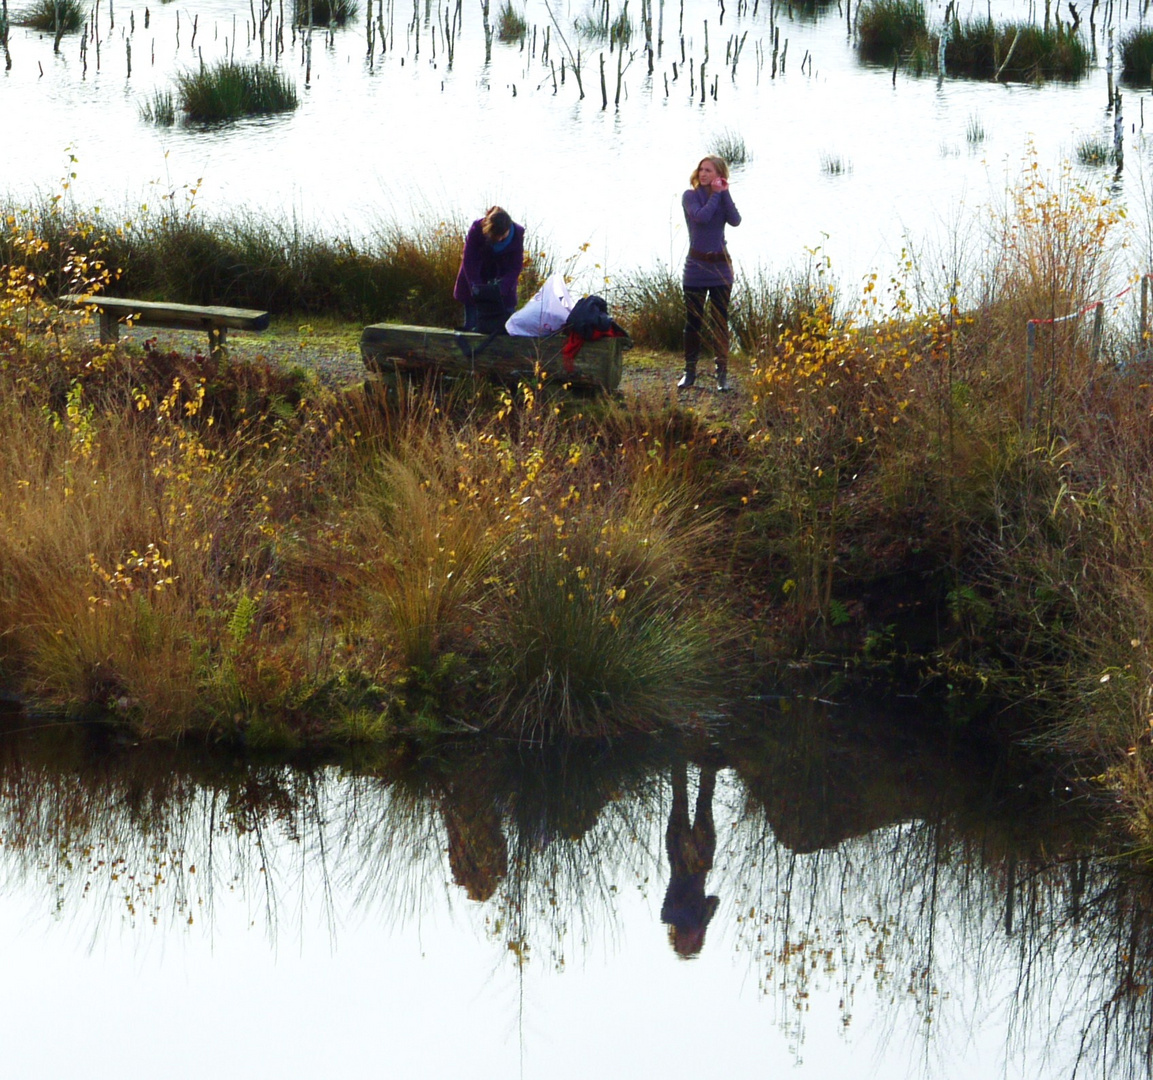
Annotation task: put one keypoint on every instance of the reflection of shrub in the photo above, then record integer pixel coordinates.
(324, 12)
(887, 29)
(1137, 56)
(510, 24)
(43, 15)
(227, 90)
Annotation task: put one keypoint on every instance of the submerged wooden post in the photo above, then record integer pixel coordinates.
(1109, 66)
(1118, 132)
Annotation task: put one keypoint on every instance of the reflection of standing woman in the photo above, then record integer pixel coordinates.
(708, 280)
(690, 847)
(493, 256)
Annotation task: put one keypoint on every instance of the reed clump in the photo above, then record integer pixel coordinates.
(1019, 52)
(599, 24)
(324, 12)
(730, 146)
(891, 29)
(1137, 56)
(511, 24)
(49, 15)
(227, 90)
(160, 109)
(1096, 150)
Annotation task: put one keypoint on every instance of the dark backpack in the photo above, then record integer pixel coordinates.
(589, 315)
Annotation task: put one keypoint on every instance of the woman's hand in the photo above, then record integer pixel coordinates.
(720, 184)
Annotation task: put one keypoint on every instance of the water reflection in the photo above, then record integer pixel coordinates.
(883, 891)
(691, 847)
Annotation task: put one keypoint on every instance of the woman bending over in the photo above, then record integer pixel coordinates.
(490, 267)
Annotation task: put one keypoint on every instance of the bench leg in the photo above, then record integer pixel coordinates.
(109, 329)
(217, 339)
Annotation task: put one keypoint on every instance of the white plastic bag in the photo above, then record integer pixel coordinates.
(545, 313)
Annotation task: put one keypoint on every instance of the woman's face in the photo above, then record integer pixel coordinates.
(706, 173)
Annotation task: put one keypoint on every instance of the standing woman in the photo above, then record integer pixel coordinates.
(493, 256)
(708, 280)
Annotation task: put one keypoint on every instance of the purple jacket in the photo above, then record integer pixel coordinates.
(480, 264)
(707, 213)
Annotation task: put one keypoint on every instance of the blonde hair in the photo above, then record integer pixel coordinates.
(718, 163)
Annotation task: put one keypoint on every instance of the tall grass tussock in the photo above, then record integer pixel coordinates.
(49, 15)
(324, 12)
(511, 24)
(227, 90)
(889, 29)
(1137, 56)
(895, 31)
(1017, 52)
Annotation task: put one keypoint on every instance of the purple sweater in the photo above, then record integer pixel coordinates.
(707, 213)
(480, 264)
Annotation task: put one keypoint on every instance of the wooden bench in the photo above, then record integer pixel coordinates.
(215, 321)
(390, 351)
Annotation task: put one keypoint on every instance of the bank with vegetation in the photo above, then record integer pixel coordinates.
(192, 548)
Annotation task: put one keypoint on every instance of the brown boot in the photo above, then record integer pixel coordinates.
(692, 352)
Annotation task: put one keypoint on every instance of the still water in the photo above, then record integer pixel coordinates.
(843, 156)
(826, 897)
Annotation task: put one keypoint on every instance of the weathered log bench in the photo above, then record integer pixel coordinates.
(419, 352)
(215, 321)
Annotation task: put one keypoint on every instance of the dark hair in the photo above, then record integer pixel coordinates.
(497, 223)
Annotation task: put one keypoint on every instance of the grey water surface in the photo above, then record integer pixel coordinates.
(845, 159)
(817, 894)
